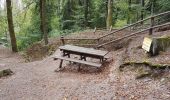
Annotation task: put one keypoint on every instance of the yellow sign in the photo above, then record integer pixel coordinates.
(147, 44)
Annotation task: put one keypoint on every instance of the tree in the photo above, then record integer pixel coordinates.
(43, 20)
(129, 10)
(11, 26)
(110, 13)
(86, 12)
(142, 11)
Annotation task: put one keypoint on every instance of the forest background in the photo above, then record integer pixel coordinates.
(32, 19)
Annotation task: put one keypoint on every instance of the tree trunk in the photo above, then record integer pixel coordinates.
(11, 26)
(137, 13)
(129, 8)
(43, 21)
(86, 12)
(152, 6)
(110, 13)
(142, 11)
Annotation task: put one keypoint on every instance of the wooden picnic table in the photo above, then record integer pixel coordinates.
(83, 52)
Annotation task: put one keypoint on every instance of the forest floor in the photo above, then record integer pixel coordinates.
(38, 80)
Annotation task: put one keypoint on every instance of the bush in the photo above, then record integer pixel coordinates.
(120, 23)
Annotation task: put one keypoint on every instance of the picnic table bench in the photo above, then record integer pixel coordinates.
(83, 53)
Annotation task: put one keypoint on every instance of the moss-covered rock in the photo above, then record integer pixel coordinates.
(145, 69)
(159, 44)
(6, 72)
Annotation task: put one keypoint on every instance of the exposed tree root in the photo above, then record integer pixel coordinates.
(155, 70)
(152, 66)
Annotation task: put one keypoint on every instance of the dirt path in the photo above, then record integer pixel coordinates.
(8, 58)
(38, 81)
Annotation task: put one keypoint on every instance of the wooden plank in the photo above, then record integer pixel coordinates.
(78, 61)
(147, 44)
(83, 50)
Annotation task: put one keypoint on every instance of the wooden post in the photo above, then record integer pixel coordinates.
(94, 30)
(62, 40)
(98, 40)
(152, 24)
(61, 62)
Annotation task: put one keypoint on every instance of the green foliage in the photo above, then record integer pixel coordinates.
(100, 13)
(29, 30)
(164, 5)
(67, 16)
(120, 23)
(55, 23)
(3, 28)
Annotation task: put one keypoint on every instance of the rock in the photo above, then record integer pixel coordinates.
(6, 72)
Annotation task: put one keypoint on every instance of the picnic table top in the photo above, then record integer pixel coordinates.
(84, 50)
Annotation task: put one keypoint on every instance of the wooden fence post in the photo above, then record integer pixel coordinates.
(152, 24)
(62, 40)
(94, 30)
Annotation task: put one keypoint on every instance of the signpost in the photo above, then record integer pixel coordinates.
(147, 44)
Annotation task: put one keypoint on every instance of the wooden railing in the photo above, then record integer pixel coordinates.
(132, 34)
(150, 29)
(96, 40)
(63, 40)
(141, 21)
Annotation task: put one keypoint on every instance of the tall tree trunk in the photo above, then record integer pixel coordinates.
(43, 20)
(142, 11)
(110, 13)
(137, 13)
(11, 26)
(86, 12)
(152, 6)
(129, 8)
(106, 9)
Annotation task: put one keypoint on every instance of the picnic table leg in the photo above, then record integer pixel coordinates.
(101, 59)
(83, 58)
(69, 57)
(61, 62)
(79, 67)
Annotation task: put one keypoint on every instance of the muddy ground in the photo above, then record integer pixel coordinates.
(38, 80)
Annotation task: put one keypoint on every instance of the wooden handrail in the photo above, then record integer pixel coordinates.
(80, 38)
(138, 22)
(164, 13)
(132, 34)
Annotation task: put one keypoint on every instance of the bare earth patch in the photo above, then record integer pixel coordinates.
(38, 81)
